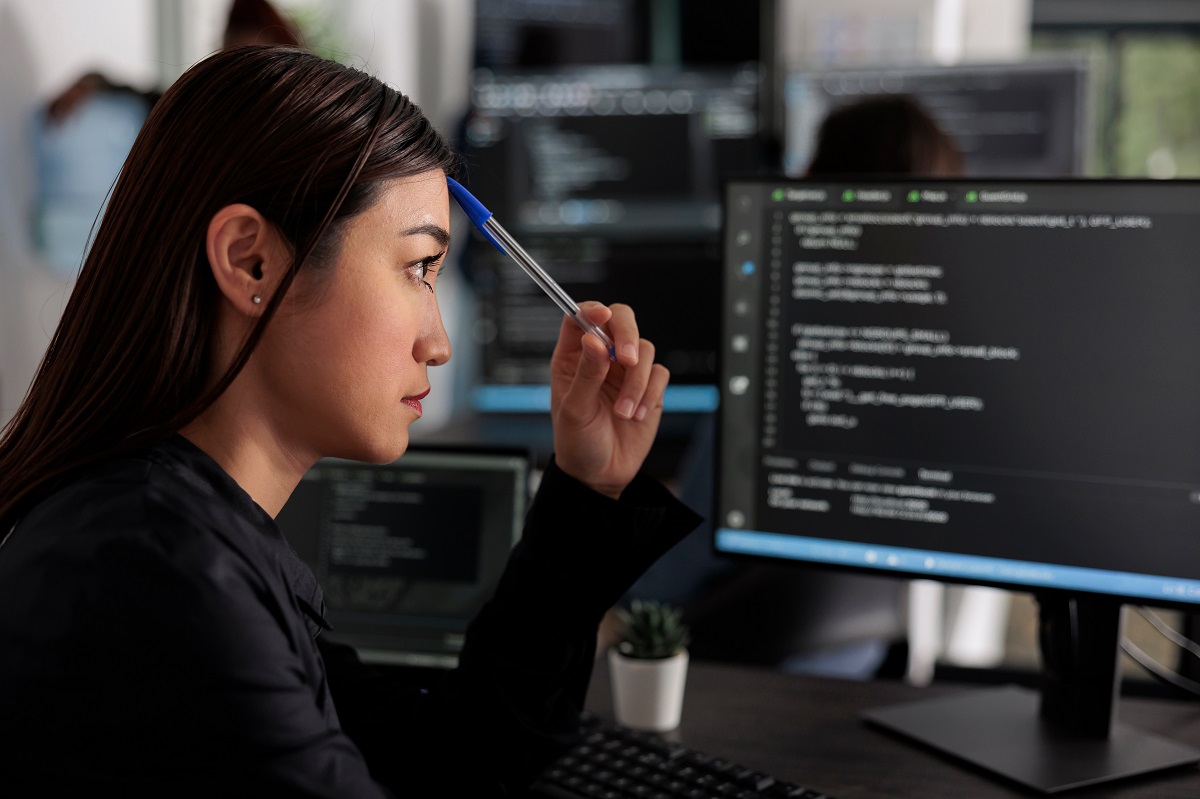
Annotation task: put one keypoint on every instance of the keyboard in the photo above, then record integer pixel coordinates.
(619, 763)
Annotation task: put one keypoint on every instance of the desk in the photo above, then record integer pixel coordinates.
(807, 730)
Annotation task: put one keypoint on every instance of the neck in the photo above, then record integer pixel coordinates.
(250, 452)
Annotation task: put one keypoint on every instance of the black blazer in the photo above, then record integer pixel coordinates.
(159, 637)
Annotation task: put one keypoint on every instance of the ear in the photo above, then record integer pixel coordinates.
(246, 255)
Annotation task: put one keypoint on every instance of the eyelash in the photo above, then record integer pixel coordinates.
(428, 266)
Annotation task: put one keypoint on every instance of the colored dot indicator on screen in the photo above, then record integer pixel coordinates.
(777, 195)
(914, 196)
(848, 195)
(747, 267)
(972, 196)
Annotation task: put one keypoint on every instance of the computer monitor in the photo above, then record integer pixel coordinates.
(407, 553)
(979, 381)
(610, 178)
(543, 33)
(1027, 119)
(524, 33)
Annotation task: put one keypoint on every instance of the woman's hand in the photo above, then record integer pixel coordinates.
(605, 414)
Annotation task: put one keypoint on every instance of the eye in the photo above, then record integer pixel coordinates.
(426, 267)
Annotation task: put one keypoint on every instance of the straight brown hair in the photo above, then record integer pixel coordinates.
(305, 141)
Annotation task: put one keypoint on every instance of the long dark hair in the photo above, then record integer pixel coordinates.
(303, 140)
(887, 135)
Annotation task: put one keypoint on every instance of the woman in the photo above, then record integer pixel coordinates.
(261, 295)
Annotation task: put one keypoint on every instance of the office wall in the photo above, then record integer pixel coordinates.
(422, 47)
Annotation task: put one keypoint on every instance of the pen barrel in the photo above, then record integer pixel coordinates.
(546, 283)
(532, 268)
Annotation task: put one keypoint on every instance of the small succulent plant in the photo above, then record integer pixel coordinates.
(651, 630)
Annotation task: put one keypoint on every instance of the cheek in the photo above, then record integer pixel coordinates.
(390, 336)
(360, 343)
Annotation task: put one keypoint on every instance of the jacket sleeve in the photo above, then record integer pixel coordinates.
(513, 703)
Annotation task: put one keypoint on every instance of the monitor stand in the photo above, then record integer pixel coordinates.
(1065, 737)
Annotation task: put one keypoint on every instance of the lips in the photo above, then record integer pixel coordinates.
(414, 401)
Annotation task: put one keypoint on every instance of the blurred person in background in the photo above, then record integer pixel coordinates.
(884, 135)
(248, 22)
(82, 136)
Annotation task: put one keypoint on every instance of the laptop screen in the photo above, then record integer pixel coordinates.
(408, 552)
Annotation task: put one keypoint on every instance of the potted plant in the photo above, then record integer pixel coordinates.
(649, 666)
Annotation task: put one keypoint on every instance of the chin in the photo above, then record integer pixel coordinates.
(375, 450)
(388, 451)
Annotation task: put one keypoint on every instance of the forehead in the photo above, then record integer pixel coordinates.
(413, 202)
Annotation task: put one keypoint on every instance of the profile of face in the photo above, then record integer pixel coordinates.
(343, 365)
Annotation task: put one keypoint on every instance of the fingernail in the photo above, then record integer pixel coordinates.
(630, 352)
(641, 413)
(625, 408)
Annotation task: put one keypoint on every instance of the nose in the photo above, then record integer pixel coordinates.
(432, 347)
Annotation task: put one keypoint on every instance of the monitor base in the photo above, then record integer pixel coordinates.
(1000, 731)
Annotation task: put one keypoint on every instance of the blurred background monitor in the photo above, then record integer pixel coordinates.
(610, 177)
(408, 552)
(546, 33)
(1023, 119)
(512, 33)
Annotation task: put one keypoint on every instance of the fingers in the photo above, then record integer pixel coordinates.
(637, 379)
(651, 405)
(622, 328)
(641, 387)
(593, 368)
(568, 333)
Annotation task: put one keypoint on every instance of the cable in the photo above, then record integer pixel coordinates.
(1158, 670)
(1168, 631)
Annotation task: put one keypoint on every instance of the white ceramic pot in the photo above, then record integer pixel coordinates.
(648, 694)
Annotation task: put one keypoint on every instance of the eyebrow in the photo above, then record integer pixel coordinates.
(439, 234)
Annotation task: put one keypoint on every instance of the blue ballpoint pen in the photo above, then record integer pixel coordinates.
(483, 219)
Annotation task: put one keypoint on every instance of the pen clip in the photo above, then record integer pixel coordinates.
(475, 210)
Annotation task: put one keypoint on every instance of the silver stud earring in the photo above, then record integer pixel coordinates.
(257, 299)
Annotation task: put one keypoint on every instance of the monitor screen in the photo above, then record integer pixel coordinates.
(1027, 119)
(980, 381)
(545, 33)
(407, 553)
(610, 178)
(525, 33)
(977, 381)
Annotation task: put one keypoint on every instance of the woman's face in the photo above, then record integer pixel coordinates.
(346, 357)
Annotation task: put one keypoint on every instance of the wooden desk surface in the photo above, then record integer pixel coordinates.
(807, 730)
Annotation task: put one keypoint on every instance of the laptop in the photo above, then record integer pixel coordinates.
(407, 553)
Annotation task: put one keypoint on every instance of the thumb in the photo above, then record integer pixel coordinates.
(594, 363)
